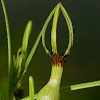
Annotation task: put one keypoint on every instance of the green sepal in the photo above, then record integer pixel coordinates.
(53, 31)
(44, 29)
(70, 28)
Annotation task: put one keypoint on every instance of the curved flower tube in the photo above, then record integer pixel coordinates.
(51, 90)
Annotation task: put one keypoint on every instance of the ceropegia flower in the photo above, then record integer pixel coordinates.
(51, 90)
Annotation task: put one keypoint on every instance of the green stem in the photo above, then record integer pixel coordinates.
(82, 86)
(85, 85)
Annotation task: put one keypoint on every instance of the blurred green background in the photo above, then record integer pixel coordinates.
(82, 65)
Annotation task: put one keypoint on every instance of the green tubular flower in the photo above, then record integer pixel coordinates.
(51, 90)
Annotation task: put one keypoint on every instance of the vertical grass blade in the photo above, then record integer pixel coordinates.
(26, 36)
(70, 28)
(31, 88)
(8, 36)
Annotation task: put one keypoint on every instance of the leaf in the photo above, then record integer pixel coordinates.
(8, 37)
(26, 36)
(32, 51)
(31, 88)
